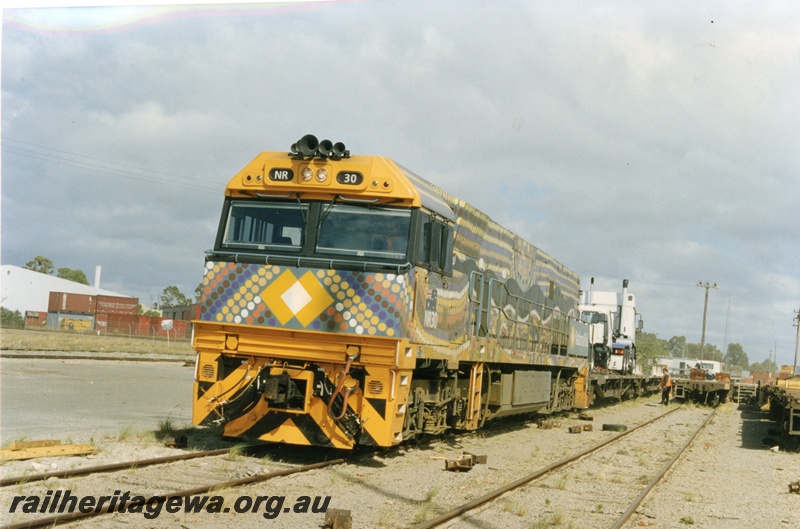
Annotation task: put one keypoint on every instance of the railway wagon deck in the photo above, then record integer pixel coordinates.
(783, 399)
(608, 385)
(706, 392)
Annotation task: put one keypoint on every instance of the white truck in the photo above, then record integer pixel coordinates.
(613, 321)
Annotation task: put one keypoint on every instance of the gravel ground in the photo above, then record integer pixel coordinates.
(730, 478)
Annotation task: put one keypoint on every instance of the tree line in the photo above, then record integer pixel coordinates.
(43, 265)
(650, 347)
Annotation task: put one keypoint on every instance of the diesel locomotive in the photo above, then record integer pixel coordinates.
(347, 301)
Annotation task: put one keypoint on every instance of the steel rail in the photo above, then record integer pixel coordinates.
(112, 467)
(458, 511)
(638, 501)
(71, 517)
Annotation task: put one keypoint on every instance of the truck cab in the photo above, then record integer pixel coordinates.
(612, 320)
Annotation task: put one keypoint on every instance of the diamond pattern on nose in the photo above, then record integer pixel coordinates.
(289, 297)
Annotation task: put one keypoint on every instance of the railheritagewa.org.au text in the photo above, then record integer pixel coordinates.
(64, 502)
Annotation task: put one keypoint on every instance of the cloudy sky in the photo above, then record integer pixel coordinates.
(655, 141)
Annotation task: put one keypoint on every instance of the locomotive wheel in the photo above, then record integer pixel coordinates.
(615, 427)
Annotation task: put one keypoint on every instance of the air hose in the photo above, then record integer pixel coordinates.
(339, 386)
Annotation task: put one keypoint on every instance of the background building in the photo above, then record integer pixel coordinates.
(47, 301)
(28, 291)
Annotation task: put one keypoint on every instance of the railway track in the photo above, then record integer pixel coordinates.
(147, 491)
(113, 467)
(381, 490)
(568, 477)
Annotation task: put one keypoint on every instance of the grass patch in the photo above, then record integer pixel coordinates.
(75, 342)
(424, 511)
(166, 429)
(238, 451)
(197, 438)
(386, 519)
(125, 433)
(431, 493)
(515, 507)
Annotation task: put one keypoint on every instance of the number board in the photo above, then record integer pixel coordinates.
(281, 175)
(350, 178)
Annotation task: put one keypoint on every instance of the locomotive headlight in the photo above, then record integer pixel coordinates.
(308, 174)
(322, 175)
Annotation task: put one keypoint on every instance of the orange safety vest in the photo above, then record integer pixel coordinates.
(666, 381)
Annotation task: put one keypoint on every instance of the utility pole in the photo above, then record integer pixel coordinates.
(705, 310)
(775, 350)
(725, 342)
(796, 340)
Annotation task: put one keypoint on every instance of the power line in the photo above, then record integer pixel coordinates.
(102, 166)
(638, 281)
(632, 278)
(797, 340)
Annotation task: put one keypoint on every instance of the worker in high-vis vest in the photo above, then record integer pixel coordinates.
(666, 386)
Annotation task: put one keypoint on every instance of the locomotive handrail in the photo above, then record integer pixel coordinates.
(528, 300)
(516, 321)
(359, 200)
(273, 195)
(483, 300)
(474, 277)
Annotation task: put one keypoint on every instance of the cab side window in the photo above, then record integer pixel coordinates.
(435, 245)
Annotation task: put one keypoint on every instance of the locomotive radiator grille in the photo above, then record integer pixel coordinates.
(208, 372)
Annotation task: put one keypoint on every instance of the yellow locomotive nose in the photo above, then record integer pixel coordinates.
(358, 400)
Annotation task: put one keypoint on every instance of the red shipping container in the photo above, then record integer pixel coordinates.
(71, 303)
(117, 305)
